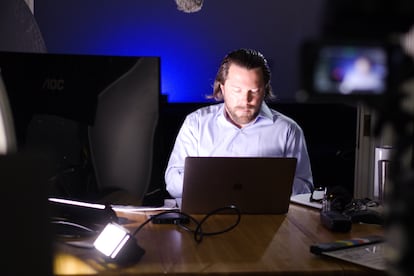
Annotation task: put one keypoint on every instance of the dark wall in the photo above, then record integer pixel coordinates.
(190, 45)
(330, 132)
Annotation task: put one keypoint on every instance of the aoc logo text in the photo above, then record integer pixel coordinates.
(54, 84)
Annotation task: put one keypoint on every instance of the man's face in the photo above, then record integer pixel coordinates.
(243, 93)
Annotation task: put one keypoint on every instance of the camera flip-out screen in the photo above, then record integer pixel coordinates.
(347, 69)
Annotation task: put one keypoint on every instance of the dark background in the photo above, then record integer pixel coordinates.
(191, 47)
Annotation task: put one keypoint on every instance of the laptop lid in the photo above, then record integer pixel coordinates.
(255, 185)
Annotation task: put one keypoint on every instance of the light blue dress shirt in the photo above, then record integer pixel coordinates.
(207, 132)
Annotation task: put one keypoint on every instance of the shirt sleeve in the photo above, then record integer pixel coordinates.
(185, 145)
(296, 147)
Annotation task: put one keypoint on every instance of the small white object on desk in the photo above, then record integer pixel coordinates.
(304, 199)
(169, 204)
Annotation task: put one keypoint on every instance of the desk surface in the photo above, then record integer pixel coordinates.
(268, 244)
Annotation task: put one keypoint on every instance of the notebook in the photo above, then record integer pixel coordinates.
(255, 185)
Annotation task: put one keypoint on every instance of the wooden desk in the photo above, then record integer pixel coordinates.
(260, 244)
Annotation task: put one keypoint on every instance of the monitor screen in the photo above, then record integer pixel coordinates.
(351, 69)
(341, 70)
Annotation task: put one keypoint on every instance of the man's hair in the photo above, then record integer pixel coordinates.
(249, 59)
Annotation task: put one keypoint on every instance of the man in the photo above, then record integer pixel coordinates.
(241, 124)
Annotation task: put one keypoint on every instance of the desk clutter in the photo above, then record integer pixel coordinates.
(103, 229)
(338, 210)
(159, 243)
(128, 238)
(107, 235)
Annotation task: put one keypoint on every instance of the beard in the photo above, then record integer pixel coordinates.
(242, 115)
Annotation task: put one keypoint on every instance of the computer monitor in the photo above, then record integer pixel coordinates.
(55, 98)
(63, 85)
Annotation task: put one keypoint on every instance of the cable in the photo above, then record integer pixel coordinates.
(198, 232)
(68, 229)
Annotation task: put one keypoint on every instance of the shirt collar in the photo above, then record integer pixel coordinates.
(265, 112)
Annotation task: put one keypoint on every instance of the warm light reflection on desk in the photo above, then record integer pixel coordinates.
(67, 264)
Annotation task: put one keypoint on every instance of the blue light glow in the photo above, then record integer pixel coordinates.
(190, 45)
(110, 29)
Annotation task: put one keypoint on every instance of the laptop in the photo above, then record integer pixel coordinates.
(255, 185)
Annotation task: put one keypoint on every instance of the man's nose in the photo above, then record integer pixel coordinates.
(246, 96)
